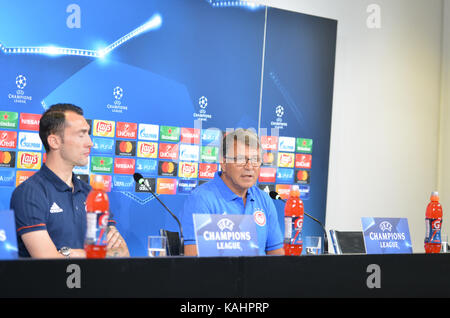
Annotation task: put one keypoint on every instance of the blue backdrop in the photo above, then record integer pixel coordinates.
(159, 80)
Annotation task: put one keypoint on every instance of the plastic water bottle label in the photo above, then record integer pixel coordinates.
(433, 230)
(296, 230)
(287, 229)
(96, 228)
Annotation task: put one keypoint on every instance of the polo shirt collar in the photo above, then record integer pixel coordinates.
(226, 191)
(58, 183)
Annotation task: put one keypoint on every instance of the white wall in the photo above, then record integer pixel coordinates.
(444, 149)
(387, 97)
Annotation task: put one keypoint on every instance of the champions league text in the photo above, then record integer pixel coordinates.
(225, 239)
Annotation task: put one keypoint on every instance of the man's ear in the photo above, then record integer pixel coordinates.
(223, 167)
(54, 141)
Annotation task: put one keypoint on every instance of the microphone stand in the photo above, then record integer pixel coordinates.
(173, 215)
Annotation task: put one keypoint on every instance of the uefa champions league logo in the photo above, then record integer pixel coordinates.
(21, 81)
(203, 102)
(118, 93)
(225, 224)
(278, 123)
(279, 111)
(385, 225)
(202, 115)
(19, 96)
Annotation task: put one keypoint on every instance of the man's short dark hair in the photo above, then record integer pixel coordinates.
(53, 120)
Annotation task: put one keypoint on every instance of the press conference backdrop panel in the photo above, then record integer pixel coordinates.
(159, 81)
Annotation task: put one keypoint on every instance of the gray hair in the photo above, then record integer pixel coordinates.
(244, 136)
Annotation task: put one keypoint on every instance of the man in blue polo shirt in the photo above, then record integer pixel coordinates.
(233, 191)
(49, 206)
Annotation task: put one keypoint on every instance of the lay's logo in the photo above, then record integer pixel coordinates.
(147, 149)
(29, 160)
(103, 128)
(285, 160)
(188, 170)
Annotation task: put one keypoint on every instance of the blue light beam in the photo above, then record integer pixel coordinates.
(154, 23)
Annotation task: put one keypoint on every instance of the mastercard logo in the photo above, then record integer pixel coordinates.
(126, 146)
(168, 167)
(5, 157)
(302, 175)
(268, 158)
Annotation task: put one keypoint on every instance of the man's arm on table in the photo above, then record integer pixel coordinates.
(40, 245)
(278, 251)
(190, 250)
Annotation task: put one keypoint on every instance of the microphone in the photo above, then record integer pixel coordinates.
(274, 195)
(140, 180)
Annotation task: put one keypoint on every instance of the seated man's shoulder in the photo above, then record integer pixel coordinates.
(204, 193)
(33, 184)
(203, 188)
(263, 195)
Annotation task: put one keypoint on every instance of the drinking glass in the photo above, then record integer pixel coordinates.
(313, 245)
(157, 246)
(444, 243)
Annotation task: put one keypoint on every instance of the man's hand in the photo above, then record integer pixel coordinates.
(116, 244)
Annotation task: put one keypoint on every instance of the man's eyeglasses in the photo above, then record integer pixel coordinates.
(241, 161)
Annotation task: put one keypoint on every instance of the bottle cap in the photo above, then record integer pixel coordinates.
(98, 182)
(295, 191)
(434, 196)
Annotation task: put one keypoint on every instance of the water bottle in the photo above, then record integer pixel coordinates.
(293, 223)
(97, 214)
(433, 222)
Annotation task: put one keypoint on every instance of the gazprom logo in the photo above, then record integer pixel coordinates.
(189, 152)
(148, 132)
(385, 225)
(225, 224)
(29, 141)
(286, 144)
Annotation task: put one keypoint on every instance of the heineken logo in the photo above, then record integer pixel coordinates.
(9, 119)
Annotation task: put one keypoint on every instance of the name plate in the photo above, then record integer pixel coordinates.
(386, 235)
(225, 235)
(8, 239)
